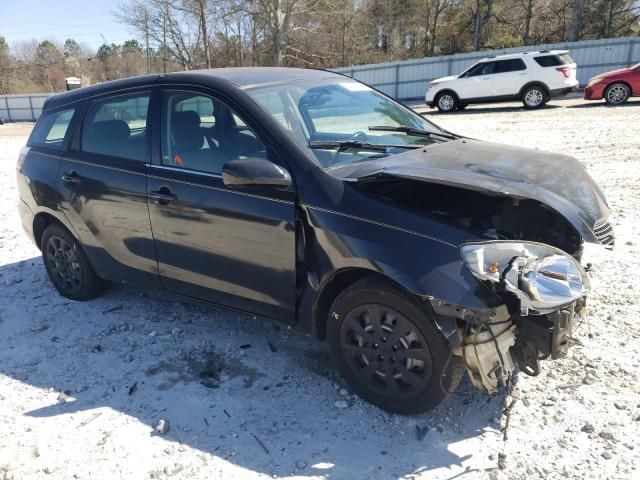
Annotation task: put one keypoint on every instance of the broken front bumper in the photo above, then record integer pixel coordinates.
(494, 343)
(544, 336)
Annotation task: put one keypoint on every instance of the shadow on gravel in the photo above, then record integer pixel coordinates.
(602, 104)
(250, 391)
(471, 110)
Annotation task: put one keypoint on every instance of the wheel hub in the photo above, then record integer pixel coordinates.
(533, 98)
(617, 94)
(386, 351)
(63, 264)
(446, 102)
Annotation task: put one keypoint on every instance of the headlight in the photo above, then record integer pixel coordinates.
(544, 278)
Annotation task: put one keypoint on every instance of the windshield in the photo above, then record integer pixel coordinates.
(341, 121)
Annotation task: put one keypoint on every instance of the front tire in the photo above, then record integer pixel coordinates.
(447, 102)
(534, 97)
(389, 350)
(617, 94)
(68, 267)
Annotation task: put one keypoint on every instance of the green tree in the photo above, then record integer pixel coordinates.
(71, 48)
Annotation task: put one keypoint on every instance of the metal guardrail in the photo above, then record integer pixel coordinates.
(408, 79)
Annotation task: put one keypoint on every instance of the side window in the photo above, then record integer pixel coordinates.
(51, 129)
(482, 69)
(202, 133)
(511, 65)
(117, 127)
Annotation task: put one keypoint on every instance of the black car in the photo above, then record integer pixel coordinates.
(311, 198)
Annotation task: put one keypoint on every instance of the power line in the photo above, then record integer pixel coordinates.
(60, 27)
(56, 20)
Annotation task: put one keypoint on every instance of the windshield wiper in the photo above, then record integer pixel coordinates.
(411, 131)
(344, 145)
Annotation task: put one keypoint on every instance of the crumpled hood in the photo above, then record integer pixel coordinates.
(559, 181)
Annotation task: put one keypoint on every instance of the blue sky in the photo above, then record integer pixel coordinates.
(83, 20)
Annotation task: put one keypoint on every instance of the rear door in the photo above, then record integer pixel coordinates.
(103, 181)
(229, 245)
(509, 76)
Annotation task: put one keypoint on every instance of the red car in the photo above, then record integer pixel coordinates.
(615, 87)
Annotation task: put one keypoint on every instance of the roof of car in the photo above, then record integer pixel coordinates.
(523, 54)
(241, 77)
(251, 76)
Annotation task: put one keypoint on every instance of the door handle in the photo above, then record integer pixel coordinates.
(71, 177)
(162, 196)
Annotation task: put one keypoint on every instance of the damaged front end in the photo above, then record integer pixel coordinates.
(543, 290)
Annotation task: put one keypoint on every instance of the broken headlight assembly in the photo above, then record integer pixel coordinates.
(542, 277)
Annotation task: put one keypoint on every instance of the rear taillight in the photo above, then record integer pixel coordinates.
(566, 71)
(21, 157)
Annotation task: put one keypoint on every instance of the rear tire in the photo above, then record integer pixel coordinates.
(617, 94)
(534, 97)
(387, 347)
(447, 102)
(67, 265)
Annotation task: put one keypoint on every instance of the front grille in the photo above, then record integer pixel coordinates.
(604, 232)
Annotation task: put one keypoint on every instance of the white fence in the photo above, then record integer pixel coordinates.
(407, 80)
(22, 108)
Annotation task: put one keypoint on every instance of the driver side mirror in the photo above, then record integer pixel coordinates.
(258, 172)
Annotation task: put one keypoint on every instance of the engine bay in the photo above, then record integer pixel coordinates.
(491, 216)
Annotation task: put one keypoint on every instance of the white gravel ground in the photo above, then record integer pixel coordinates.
(133, 357)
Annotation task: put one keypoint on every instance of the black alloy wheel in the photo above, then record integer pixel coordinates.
(67, 265)
(63, 264)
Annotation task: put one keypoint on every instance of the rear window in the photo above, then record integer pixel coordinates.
(554, 60)
(51, 129)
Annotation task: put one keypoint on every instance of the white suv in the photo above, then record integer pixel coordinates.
(531, 77)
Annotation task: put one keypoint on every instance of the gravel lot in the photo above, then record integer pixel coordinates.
(248, 398)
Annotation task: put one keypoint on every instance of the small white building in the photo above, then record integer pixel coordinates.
(73, 83)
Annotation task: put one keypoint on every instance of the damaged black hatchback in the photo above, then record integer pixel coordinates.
(311, 198)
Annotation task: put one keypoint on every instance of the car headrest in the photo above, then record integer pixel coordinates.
(185, 128)
(107, 131)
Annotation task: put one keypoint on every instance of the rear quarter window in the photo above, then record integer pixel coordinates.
(554, 60)
(51, 129)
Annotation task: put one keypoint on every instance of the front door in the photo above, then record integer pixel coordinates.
(477, 83)
(233, 246)
(103, 180)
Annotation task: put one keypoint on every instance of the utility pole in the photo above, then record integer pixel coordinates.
(146, 39)
(576, 24)
(164, 39)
